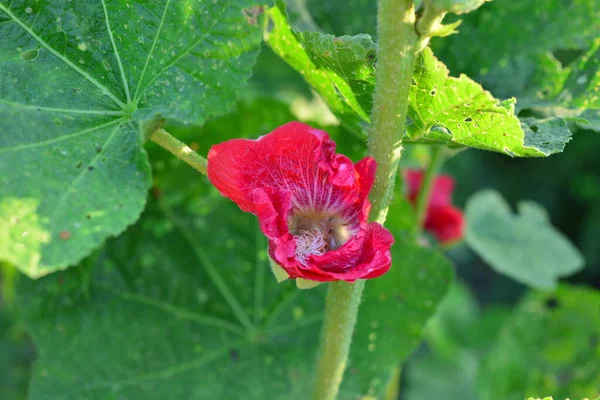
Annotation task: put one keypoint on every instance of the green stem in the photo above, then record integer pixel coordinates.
(437, 159)
(341, 310)
(395, 59)
(179, 150)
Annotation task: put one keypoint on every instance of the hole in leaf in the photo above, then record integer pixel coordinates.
(29, 55)
(432, 92)
(468, 119)
(413, 82)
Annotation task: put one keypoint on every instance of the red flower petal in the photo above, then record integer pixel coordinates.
(364, 256)
(294, 157)
(294, 172)
(446, 223)
(443, 220)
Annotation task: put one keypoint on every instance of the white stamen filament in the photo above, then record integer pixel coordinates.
(309, 243)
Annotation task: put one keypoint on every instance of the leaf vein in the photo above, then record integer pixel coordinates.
(116, 50)
(62, 57)
(60, 138)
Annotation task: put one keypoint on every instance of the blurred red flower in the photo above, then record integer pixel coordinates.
(311, 202)
(442, 219)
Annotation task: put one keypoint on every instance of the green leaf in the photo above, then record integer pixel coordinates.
(504, 32)
(524, 247)
(582, 87)
(456, 337)
(550, 345)
(454, 111)
(188, 292)
(392, 317)
(78, 78)
(458, 111)
(340, 69)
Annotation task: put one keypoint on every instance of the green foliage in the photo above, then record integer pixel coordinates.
(458, 111)
(499, 43)
(193, 275)
(185, 305)
(15, 356)
(342, 17)
(78, 78)
(582, 87)
(457, 337)
(454, 111)
(395, 309)
(550, 345)
(524, 247)
(339, 69)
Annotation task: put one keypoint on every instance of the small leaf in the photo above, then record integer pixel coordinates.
(524, 247)
(549, 345)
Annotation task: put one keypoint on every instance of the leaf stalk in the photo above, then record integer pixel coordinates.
(180, 150)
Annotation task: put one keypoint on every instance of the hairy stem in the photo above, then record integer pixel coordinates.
(180, 150)
(424, 196)
(395, 59)
(341, 310)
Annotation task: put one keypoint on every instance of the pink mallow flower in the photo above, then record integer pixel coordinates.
(443, 220)
(311, 202)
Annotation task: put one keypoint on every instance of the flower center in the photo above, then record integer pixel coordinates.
(317, 233)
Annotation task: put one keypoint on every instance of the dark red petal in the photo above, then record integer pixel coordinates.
(441, 192)
(446, 223)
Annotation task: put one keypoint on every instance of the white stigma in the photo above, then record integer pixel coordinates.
(309, 243)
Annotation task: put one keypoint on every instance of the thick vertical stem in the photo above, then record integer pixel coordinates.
(395, 59)
(341, 310)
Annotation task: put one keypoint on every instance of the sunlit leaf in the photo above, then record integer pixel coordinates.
(458, 111)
